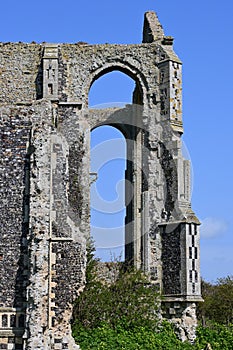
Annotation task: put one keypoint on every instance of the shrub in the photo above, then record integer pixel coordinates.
(218, 301)
(125, 314)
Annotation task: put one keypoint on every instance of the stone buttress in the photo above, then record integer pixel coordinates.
(45, 125)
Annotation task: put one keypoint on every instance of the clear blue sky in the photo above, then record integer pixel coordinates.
(203, 32)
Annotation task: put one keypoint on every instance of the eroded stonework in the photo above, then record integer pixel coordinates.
(45, 182)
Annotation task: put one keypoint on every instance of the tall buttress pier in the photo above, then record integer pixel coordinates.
(45, 182)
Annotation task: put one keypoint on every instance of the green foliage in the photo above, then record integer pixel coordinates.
(124, 315)
(218, 301)
(105, 337)
(219, 336)
(92, 262)
(130, 301)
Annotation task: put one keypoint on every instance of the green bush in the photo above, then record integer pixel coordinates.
(125, 314)
(105, 337)
(218, 301)
(129, 301)
(219, 336)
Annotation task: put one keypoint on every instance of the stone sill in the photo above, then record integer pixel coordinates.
(182, 298)
(11, 332)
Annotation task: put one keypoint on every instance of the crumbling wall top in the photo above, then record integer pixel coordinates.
(152, 30)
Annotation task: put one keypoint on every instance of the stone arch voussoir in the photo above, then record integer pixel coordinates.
(124, 67)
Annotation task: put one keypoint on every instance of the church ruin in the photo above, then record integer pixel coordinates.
(45, 182)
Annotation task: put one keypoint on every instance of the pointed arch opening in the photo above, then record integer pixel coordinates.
(114, 87)
(108, 165)
(115, 84)
(117, 180)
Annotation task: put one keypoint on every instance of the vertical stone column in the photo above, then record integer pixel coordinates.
(57, 248)
(37, 315)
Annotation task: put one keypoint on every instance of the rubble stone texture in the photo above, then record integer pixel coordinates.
(45, 182)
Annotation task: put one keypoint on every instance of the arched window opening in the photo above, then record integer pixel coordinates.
(112, 213)
(112, 88)
(108, 162)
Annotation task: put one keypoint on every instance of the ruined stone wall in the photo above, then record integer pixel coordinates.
(42, 261)
(108, 272)
(45, 180)
(19, 72)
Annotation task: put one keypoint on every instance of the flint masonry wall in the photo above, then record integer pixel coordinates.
(45, 182)
(14, 224)
(14, 136)
(20, 72)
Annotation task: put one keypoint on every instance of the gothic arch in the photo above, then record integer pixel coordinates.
(123, 67)
(123, 120)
